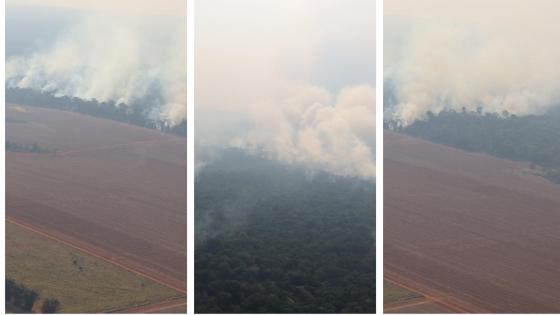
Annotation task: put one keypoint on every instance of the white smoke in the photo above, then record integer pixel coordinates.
(497, 55)
(288, 81)
(110, 57)
(311, 128)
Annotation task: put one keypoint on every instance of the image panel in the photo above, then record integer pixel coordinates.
(285, 156)
(471, 156)
(96, 201)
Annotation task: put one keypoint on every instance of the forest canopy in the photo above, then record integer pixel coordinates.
(273, 238)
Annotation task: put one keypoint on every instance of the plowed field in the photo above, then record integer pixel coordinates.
(476, 233)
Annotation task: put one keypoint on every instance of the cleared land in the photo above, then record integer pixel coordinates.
(398, 300)
(112, 189)
(81, 283)
(473, 232)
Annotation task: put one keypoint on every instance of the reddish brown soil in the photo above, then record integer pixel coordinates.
(112, 189)
(169, 307)
(416, 306)
(475, 232)
(424, 307)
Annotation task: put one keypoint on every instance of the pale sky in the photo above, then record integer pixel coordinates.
(496, 12)
(144, 7)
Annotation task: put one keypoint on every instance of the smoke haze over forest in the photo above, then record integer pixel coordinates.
(101, 52)
(496, 55)
(299, 88)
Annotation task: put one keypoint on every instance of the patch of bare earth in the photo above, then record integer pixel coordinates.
(478, 233)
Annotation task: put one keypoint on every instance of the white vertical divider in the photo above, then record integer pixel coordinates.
(190, 153)
(2, 159)
(379, 154)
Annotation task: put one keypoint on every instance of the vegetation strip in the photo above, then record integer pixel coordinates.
(428, 297)
(405, 304)
(91, 253)
(152, 307)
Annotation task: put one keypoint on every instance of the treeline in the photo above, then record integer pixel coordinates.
(28, 148)
(138, 115)
(532, 138)
(22, 298)
(276, 239)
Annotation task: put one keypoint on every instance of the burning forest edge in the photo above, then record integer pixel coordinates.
(137, 114)
(531, 138)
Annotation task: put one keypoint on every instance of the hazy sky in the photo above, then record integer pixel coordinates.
(498, 54)
(122, 51)
(295, 79)
(167, 7)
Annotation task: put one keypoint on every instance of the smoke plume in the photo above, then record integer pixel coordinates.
(496, 55)
(112, 57)
(299, 88)
(313, 129)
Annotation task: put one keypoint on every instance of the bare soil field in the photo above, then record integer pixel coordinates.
(111, 188)
(473, 232)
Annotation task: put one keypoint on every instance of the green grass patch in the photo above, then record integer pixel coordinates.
(394, 293)
(82, 283)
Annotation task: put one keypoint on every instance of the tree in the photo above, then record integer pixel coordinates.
(50, 306)
(18, 294)
(10, 287)
(29, 298)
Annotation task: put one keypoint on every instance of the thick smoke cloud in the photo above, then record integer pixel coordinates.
(112, 57)
(497, 55)
(311, 128)
(293, 81)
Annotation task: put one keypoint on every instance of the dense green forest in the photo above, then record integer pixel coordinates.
(272, 238)
(138, 115)
(532, 138)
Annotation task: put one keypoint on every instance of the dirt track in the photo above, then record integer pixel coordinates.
(475, 232)
(162, 307)
(115, 190)
(421, 305)
(428, 302)
(100, 254)
(424, 303)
